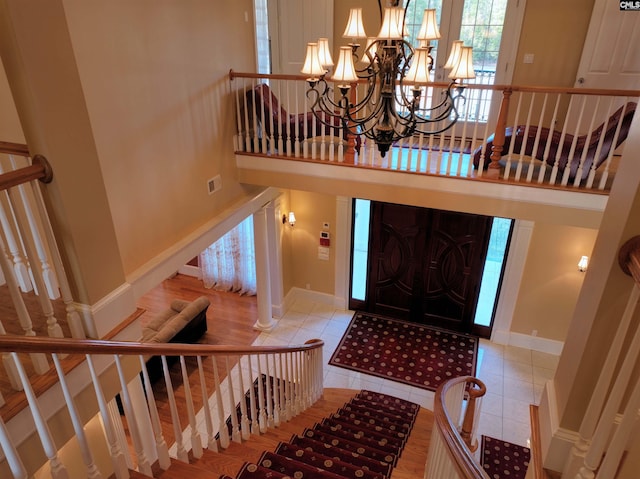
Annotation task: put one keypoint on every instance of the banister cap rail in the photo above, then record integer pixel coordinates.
(498, 87)
(460, 454)
(22, 344)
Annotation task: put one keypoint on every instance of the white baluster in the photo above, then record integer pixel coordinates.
(605, 416)
(296, 149)
(85, 450)
(53, 328)
(239, 146)
(161, 445)
(118, 459)
(235, 428)
(48, 274)
(175, 419)
(143, 462)
(281, 123)
(212, 445)
(11, 454)
(19, 265)
(554, 170)
(620, 441)
(223, 432)
(272, 139)
(247, 125)
(289, 142)
(545, 154)
(574, 142)
(263, 413)
(73, 318)
(263, 124)
(58, 470)
(196, 442)
(281, 389)
(605, 169)
(245, 424)
(273, 393)
(288, 386)
(255, 426)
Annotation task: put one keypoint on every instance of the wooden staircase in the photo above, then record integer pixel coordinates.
(230, 460)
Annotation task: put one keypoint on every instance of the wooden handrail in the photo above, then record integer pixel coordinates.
(460, 455)
(40, 169)
(512, 88)
(21, 344)
(9, 148)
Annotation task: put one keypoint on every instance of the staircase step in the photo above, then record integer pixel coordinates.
(293, 468)
(328, 463)
(180, 470)
(343, 454)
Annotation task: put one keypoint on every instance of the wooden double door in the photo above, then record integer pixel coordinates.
(426, 265)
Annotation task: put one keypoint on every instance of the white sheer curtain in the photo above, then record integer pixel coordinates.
(229, 263)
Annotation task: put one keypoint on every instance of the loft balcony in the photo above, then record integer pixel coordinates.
(553, 146)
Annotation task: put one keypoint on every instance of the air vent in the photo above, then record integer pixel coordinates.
(214, 184)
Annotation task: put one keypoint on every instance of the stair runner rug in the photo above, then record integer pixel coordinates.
(363, 439)
(410, 353)
(503, 459)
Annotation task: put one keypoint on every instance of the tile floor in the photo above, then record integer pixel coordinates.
(514, 376)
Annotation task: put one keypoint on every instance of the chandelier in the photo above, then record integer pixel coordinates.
(393, 73)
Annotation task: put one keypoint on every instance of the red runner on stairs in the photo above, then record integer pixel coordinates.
(364, 439)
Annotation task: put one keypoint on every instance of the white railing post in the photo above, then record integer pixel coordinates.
(58, 470)
(245, 425)
(196, 442)
(175, 420)
(223, 430)
(212, 445)
(161, 445)
(19, 265)
(53, 327)
(78, 428)
(255, 427)
(73, 317)
(143, 462)
(118, 459)
(235, 428)
(11, 454)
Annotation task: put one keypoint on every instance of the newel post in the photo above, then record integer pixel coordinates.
(475, 391)
(500, 133)
(350, 152)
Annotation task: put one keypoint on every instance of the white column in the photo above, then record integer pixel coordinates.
(274, 241)
(263, 284)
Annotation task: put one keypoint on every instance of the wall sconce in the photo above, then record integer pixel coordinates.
(583, 263)
(291, 218)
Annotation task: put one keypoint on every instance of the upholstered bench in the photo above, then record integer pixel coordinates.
(183, 322)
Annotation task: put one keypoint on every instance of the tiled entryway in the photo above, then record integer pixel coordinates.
(514, 376)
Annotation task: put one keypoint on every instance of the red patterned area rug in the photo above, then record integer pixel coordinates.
(503, 459)
(409, 353)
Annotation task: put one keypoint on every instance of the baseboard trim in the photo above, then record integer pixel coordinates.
(108, 312)
(296, 294)
(535, 343)
(190, 270)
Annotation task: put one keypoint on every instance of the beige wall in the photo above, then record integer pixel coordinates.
(311, 209)
(10, 129)
(128, 102)
(155, 83)
(551, 281)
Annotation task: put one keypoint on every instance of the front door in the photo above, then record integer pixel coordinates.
(426, 265)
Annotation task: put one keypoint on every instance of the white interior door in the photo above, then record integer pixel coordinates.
(294, 23)
(610, 56)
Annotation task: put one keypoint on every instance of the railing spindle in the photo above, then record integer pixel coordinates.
(212, 445)
(181, 452)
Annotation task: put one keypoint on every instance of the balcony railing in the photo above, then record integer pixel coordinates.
(551, 137)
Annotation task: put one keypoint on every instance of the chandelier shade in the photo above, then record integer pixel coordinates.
(324, 53)
(312, 65)
(355, 27)
(429, 28)
(382, 99)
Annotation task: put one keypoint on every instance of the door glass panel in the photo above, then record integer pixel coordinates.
(362, 213)
(481, 27)
(498, 241)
